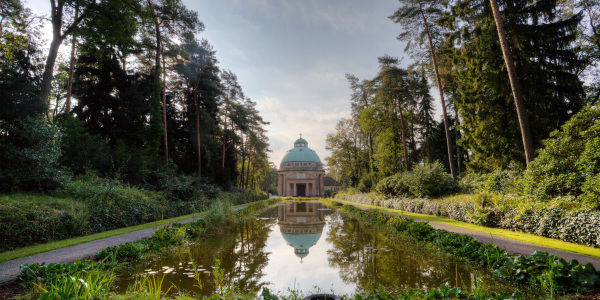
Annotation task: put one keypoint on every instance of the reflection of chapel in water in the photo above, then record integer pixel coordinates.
(301, 225)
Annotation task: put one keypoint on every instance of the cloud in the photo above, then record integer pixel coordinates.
(288, 122)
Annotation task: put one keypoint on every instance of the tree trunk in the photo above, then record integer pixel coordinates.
(248, 169)
(225, 130)
(71, 66)
(514, 84)
(164, 104)
(241, 182)
(441, 90)
(458, 148)
(404, 144)
(49, 70)
(198, 134)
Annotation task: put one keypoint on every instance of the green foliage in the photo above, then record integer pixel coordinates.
(479, 83)
(42, 273)
(566, 276)
(88, 285)
(81, 150)
(562, 218)
(395, 185)
(506, 181)
(569, 164)
(443, 292)
(29, 154)
(368, 182)
(26, 223)
(124, 252)
(429, 180)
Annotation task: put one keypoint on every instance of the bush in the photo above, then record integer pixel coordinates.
(428, 180)
(569, 163)
(552, 219)
(565, 276)
(499, 181)
(431, 180)
(82, 151)
(368, 182)
(91, 205)
(28, 219)
(29, 154)
(395, 185)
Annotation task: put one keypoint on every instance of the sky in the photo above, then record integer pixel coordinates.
(291, 57)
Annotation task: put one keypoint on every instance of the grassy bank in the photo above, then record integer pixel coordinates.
(93, 208)
(519, 236)
(551, 274)
(558, 224)
(86, 279)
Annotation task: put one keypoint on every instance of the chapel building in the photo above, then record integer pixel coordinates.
(301, 172)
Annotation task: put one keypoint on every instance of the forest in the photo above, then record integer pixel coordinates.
(521, 104)
(125, 91)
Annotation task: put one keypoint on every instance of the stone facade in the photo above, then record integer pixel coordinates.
(301, 172)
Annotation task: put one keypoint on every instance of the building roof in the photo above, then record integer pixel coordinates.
(301, 153)
(301, 242)
(328, 181)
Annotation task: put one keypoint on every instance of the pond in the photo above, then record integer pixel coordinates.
(308, 247)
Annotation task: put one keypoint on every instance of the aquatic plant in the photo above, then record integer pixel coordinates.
(565, 276)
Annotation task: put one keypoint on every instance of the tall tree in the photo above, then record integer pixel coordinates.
(197, 67)
(232, 93)
(361, 98)
(60, 31)
(542, 49)
(394, 86)
(514, 84)
(414, 17)
(174, 18)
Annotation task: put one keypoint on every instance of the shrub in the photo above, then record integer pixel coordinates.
(29, 154)
(566, 276)
(552, 219)
(428, 180)
(368, 182)
(431, 180)
(28, 219)
(395, 185)
(81, 150)
(499, 181)
(569, 163)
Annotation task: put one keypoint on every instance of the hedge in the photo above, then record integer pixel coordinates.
(581, 227)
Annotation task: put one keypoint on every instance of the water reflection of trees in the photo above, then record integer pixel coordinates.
(359, 253)
(241, 251)
(243, 257)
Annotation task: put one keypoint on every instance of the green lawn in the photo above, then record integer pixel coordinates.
(519, 236)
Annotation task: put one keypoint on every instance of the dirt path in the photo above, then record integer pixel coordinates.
(510, 245)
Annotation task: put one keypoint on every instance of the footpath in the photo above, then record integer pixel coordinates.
(10, 269)
(512, 246)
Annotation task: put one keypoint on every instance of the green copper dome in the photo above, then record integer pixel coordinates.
(301, 242)
(301, 153)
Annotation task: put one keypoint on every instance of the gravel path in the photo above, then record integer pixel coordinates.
(510, 245)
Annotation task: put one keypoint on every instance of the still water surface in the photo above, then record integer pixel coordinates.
(304, 246)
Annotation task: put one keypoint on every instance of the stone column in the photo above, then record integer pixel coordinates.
(280, 185)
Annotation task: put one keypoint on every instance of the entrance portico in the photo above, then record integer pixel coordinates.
(301, 172)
